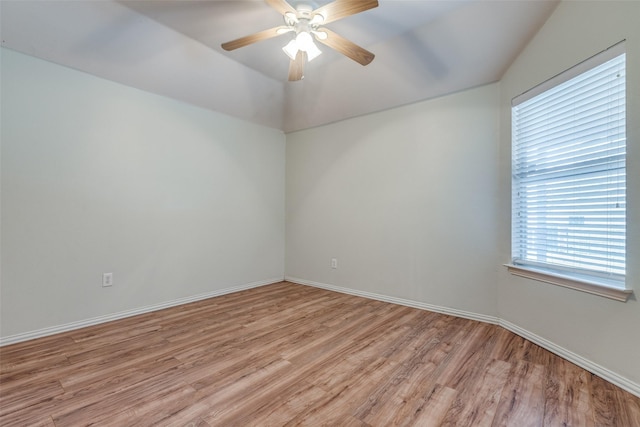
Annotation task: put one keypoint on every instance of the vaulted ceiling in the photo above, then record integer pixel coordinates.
(423, 49)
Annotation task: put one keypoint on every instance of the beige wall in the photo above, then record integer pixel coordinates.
(602, 331)
(97, 177)
(404, 199)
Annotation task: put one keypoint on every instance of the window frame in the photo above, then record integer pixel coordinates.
(613, 289)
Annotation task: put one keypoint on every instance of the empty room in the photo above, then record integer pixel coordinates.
(338, 213)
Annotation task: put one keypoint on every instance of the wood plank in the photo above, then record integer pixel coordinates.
(603, 402)
(471, 354)
(435, 408)
(277, 387)
(30, 420)
(402, 397)
(567, 399)
(100, 407)
(522, 401)
(283, 409)
(21, 394)
(288, 354)
(150, 412)
(477, 401)
(631, 405)
(509, 346)
(343, 398)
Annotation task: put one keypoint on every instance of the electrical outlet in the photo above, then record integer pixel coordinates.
(334, 262)
(107, 279)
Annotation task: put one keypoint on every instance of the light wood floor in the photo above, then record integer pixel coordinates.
(287, 354)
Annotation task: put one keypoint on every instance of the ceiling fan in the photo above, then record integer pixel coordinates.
(306, 23)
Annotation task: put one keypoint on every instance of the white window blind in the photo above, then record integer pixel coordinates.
(569, 173)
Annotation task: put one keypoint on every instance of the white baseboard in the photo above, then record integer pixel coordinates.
(12, 339)
(602, 372)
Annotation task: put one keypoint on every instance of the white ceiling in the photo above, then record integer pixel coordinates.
(423, 49)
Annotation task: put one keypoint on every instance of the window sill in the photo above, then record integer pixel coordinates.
(594, 288)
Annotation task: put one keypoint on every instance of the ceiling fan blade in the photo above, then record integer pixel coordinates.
(345, 47)
(296, 67)
(342, 8)
(253, 38)
(281, 6)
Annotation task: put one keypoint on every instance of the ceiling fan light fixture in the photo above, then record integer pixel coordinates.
(291, 49)
(320, 35)
(303, 42)
(317, 19)
(290, 18)
(303, 18)
(312, 50)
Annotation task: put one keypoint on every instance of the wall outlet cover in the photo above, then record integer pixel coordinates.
(107, 279)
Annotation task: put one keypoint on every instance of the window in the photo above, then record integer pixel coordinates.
(569, 177)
